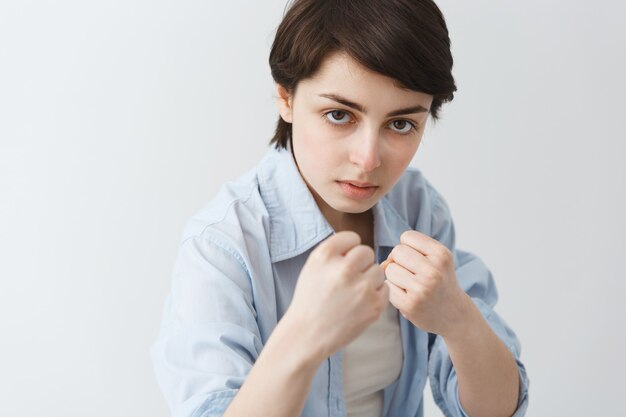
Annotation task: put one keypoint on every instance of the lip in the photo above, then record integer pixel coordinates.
(359, 183)
(356, 192)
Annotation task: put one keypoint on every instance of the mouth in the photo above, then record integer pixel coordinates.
(357, 190)
(359, 183)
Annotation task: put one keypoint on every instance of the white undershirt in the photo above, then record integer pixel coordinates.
(370, 363)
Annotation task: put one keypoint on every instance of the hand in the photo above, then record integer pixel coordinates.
(423, 284)
(340, 291)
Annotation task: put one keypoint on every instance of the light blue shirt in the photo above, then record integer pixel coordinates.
(235, 273)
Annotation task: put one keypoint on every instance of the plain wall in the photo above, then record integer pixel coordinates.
(119, 119)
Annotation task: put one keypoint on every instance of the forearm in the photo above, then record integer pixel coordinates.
(487, 373)
(279, 382)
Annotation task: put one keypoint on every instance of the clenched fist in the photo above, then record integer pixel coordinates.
(423, 284)
(340, 291)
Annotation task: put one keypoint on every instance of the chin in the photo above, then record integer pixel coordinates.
(346, 205)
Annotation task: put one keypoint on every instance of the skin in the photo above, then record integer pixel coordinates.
(341, 289)
(349, 144)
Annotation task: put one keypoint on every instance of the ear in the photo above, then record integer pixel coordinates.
(285, 103)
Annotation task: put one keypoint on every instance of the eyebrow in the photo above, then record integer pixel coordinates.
(356, 106)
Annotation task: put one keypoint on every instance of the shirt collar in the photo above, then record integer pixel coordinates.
(295, 221)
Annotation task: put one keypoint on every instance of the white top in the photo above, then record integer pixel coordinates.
(370, 363)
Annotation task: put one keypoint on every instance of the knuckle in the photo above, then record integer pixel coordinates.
(360, 251)
(322, 252)
(432, 273)
(426, 293)
(392, 270)
(350, 235)
(443, 254)
(399, 248)
(368, 251)
(395, 254)
(403, 251)
(346, 270)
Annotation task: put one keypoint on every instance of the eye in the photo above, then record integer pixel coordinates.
(337, 117)
(404, 126)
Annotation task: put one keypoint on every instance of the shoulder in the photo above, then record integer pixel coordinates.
(233, 216)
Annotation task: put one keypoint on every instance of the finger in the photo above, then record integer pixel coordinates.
(341, 242)
(400, 276)
(385, 263)
(412, 260)
(422, 243)
(376, 275)
(396, 295)
(361, 257)
(408, 257)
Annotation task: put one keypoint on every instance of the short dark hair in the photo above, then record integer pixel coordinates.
(406, 40)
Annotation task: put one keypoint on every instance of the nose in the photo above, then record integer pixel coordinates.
(365, 152)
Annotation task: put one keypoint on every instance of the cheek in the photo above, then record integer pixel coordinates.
(313, 160)
(318, 161)
(398, 159)
(317, 147)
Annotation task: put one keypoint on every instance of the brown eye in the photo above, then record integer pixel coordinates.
(402, 126)
(337, 117)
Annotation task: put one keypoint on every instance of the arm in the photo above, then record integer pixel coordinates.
(209, 358)
(444, 361)
(209, 338)
(476, 368)
(280, 379)
(450, 293)
(487, 374)
(336, 297)
(424, 287)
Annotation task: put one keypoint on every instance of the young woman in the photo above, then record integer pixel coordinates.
(326, 281)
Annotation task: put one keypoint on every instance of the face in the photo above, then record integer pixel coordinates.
(353, 134)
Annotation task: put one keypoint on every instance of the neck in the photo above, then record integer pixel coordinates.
(361, 223)
(348, 221)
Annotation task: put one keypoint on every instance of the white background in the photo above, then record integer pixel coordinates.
(119, 119)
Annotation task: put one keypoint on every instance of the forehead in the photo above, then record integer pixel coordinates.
(341, 74)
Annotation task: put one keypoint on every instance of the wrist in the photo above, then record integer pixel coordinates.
(305, 347)
(468, 322)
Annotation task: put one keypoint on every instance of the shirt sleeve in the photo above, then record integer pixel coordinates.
(209, 338)
(477, 281)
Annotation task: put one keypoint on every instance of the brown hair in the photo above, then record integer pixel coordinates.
(406, 40)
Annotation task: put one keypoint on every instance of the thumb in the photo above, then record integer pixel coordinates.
(385, 263)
